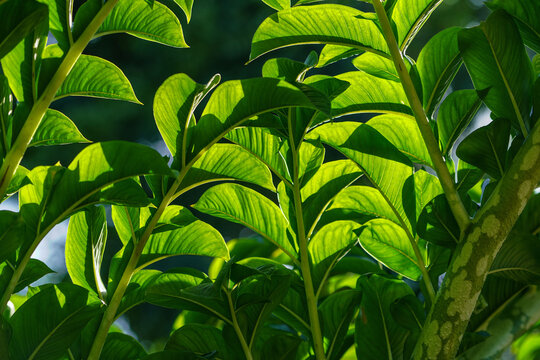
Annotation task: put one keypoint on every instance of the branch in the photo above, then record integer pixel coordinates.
(449, 316)
(511, 323)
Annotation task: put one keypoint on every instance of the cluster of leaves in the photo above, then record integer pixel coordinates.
(349, 250)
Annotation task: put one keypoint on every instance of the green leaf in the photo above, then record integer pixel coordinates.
(517, 260)
(60, 21)
(389, 244)
(426, 188)
(409, 17)
(228, 162)
(6, 109)
(186, 6)
(244, 206)
(63, 310)
(13, 232)
(85, 244)
(265, 145)
(393, 126)
(33, 271)
(377, 335)
(486, 148)
(436, 223)
(455, 114)
(331, 178)
(337, 311)
(332, 53)
(196, 238)
(120, 346)
(309, 25)
(438, 64)
(278, 4)
(526, 12)
(331, 239)
(382, 163)
(285, 69)
(136, 290)
(174, 104)
(377, 66)
(96, 167)
(20, 19)
(236, 101)
(136, 17)
(498, 64)
(18, 180)
(366, 94)
(198, 338)
(57, 129)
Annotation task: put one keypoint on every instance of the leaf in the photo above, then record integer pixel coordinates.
(337, 311)
(17, 181)
(228, 162)
(393, 126)
(517, 260)
(437, 224)
(6, 109)
(331, 178)
(13, 233)
(136, 17)
(198, 338)
(95, 77)
(409, 17)
(196, 238)
(57, 129)
(63, 310)
(366, 94)
(285, 69)
(498, 64)
(97, 166)
(85, 243)
(244, 206)
(527, 14)
(377, 335)
(265, 145)
(136, 290)
(383, 165)
(426, 188)
(455, 114)
(486, 148)
(174, 104)
(60, 21)
(20, 19)
(438, 64)
(236, 101)
(33, 271)
(332, 53)
(186, 6)
(377, 66)
(331, 239)
(120, 346)
(308, 25)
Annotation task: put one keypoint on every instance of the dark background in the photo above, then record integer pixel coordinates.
(219, 35)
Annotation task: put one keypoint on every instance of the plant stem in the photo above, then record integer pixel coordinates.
(237, 330)
(16, 153)
(454, 200)
(112, 308)
(311, 298)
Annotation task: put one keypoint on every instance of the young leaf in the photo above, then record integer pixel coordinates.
(498, 64)
(228, 162)
(437, 66)
(6, 108)
(56, 129)
(278, 4)
(120, 346)
(135, 17)
(389, 244)
(409, 17)
(20, 19)
(377, 66)
(85, 244)
(60, 21)
(186, 6)
(455, 114)
(242, 205)
(63, 310)
(306, 25)
(486, 148)
(377, 335)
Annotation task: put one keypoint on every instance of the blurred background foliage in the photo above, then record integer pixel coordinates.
(219, 35)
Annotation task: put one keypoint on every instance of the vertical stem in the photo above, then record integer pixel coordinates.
(15, 155)
(454, 200)
(315, 325)
(237, 330)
